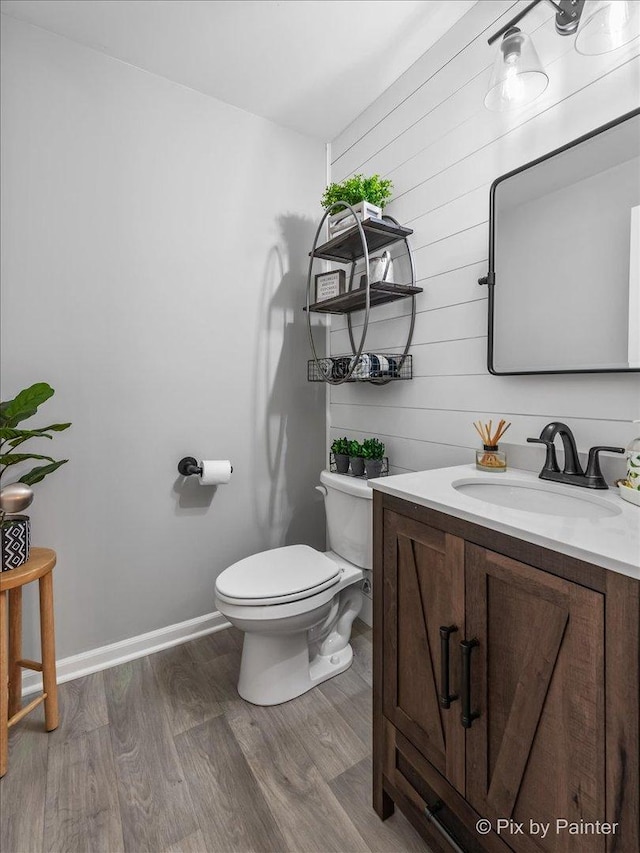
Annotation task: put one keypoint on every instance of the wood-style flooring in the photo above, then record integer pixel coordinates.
(161, 754)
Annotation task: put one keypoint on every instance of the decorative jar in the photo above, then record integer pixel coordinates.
(491, 459)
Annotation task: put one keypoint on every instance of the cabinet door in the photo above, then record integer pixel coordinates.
(423, 591)
(536, 752)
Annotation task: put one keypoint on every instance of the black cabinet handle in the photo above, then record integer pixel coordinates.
(430, 812)
(446, 698)
(467, 716)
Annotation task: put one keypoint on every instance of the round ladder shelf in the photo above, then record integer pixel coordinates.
(354, 245)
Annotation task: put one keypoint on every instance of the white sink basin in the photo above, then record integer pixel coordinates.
(542, 499)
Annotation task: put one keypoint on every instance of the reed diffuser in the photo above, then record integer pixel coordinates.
(490, 458)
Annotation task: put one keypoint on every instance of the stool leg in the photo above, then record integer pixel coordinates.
(15, 650)
(4, 685)
(47, 641)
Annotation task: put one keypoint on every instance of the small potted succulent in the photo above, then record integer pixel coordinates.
(15, 530)
(356, 458)
(367, 196)
(373, 453)
(340, 450)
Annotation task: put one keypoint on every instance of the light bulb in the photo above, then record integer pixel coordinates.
(512, 86)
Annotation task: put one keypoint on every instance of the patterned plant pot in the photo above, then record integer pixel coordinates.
(15, 531)
(357, 465)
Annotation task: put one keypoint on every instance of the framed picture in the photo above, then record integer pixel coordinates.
(329, 284)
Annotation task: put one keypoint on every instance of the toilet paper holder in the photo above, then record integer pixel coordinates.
(189, 465)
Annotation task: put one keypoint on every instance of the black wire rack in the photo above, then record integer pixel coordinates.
(334, 469)
(377, 368)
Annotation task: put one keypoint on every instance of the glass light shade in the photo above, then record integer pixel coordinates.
(518, 77)
(607, 25)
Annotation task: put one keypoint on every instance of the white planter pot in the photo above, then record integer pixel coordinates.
(344, 219)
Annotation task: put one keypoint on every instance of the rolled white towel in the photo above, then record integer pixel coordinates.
(362, 370)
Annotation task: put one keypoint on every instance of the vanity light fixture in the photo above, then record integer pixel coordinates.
(606, 25)
(518, 76)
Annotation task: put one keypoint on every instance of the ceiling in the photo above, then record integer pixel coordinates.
(311, 65)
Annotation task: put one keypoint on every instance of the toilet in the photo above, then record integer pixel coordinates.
(296, 605)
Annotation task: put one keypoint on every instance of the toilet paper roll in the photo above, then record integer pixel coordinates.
(215, 472)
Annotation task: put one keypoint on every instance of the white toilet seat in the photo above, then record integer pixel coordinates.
(280, 599)
(347, 574)
(282, 575)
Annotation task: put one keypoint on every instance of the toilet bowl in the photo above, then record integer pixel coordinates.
(296, 605)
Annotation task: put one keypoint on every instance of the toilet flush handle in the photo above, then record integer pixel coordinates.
(322, 489)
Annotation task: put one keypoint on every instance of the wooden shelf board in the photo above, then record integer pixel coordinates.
(347, 247)
(355, 300)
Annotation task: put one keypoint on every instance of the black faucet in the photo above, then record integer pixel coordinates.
(572, 474)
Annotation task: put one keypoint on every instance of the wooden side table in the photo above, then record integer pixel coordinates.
(38, 567)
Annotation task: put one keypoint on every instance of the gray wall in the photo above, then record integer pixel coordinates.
(430, 133)
(153, 268)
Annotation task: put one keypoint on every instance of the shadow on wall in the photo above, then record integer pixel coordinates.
(189, 494)
(288, 412)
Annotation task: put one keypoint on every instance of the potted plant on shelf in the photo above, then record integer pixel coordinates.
(14, 528)
(373, 453)
(367, 196)
(355, 458)
(340, 450)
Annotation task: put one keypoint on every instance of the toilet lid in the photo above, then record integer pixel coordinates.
(276, 576)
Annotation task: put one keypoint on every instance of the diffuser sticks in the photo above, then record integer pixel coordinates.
(484, 431)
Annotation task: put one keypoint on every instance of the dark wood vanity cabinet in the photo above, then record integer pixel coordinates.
(550, 688)
(423, 590)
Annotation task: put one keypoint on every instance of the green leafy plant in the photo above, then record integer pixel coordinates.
(354, 447)
(374, 189)
(372, 449)
(340, 446)
(13, 412)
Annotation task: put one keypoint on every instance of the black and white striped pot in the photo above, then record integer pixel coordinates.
(15, 531)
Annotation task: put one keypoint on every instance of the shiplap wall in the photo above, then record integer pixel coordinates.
(431, 134)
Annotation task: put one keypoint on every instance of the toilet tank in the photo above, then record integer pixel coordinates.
(348, 502)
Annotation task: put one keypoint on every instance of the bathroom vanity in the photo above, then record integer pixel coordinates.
(506, 662)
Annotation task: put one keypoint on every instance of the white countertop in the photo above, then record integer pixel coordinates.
(612, 542)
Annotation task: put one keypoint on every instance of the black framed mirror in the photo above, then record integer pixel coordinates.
(564, 258)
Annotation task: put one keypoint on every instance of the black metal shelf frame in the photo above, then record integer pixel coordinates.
(349, 247)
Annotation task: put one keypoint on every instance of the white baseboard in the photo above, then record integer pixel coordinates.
(136, 647)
